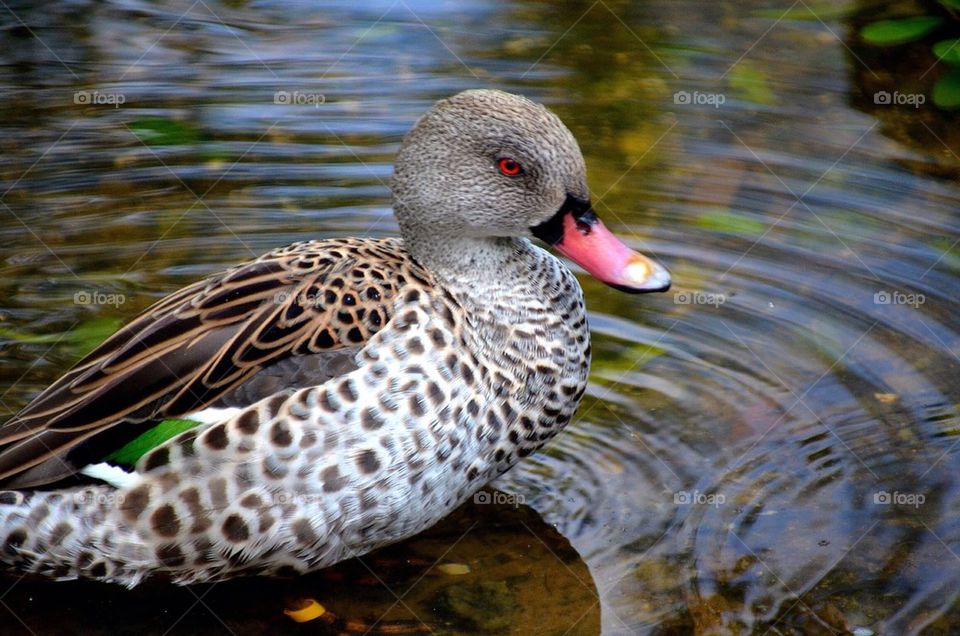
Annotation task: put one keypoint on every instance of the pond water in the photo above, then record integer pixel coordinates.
(771, 447)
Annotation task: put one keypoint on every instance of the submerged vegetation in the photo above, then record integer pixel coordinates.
(933, 25)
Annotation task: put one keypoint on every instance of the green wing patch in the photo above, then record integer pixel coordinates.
(147, 441)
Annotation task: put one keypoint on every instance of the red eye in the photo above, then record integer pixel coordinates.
(509, 167)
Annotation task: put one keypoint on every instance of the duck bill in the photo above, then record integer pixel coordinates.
(577, 233)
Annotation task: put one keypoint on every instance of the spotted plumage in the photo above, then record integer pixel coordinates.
(219, 341)
(369, 385)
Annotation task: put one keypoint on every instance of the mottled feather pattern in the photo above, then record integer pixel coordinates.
(378, 382)
(440, 403)
(196, 346)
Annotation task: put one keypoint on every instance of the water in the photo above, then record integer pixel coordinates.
(768, 448)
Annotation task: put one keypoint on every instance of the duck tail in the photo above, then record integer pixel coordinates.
(62, 535)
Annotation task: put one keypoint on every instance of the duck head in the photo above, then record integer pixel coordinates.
(485, 164)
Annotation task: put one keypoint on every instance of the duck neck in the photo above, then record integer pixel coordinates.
(474, 264)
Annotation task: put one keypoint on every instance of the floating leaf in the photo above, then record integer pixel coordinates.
(892, 32)
(751, 83)
(306, 610)
(628, 358)
(948, 51)
(947, 253)
(158, 131)
(133, 451)
(453, 569)
(84, 337)
(730, 223)
(946, 92)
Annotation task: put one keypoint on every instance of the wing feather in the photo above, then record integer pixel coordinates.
(196, 345)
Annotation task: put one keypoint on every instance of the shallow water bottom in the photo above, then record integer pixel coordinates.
(488, 568)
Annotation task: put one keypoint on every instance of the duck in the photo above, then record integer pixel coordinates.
(334, 395)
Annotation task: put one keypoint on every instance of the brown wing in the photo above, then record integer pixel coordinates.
(196, 345)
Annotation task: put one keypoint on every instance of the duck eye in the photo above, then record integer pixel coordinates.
(509, 167)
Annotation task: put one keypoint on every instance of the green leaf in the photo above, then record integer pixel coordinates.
(950, 4)
(83, 339)
(751, 83)
(947, 253)
(158, 131)
(892, 32)
(87, 336)
(134, 450)
(948, 51)
(946, 92)
(730, 223)
(629, 358)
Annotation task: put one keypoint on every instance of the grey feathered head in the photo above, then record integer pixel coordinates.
(485, 163)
